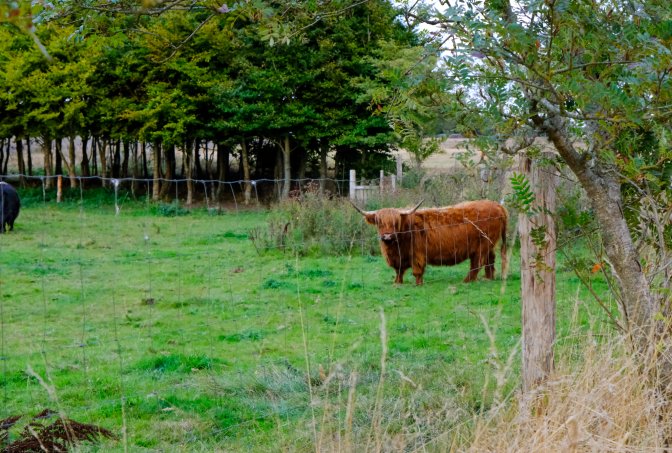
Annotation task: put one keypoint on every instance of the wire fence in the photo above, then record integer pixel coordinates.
(471, 183)
(116, 313)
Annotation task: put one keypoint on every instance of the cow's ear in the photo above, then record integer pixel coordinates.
(370, 218)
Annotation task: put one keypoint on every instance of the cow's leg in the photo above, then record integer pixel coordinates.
(400, 275)
(419, 271)
(490, 265)
(475, 265)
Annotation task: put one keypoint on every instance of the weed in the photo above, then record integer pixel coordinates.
(171, 210)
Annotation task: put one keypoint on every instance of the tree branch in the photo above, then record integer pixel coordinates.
(187, 39)
(587, 65)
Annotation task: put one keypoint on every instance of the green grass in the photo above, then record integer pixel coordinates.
(172, 325)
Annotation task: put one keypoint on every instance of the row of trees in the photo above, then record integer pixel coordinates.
(144, 85)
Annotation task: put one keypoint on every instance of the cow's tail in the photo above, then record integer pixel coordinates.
(502, 249)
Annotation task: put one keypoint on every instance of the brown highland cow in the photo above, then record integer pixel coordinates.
(412, 238)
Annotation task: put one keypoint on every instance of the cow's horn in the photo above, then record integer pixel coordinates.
(362, 212)
(415, 208)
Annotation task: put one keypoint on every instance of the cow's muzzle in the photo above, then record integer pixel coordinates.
(387, 237)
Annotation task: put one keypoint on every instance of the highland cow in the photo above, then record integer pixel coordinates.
(9, 206)
(444, 236)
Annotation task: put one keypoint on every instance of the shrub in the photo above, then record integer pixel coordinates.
(315, 224)
(171, 210)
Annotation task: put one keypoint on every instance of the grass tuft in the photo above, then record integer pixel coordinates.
(175, 363)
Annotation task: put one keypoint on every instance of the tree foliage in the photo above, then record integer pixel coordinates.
(594, 79)
(182, 73)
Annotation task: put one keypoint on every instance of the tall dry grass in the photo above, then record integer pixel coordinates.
(598, 400)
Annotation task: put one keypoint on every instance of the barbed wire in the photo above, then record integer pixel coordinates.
(105, 342)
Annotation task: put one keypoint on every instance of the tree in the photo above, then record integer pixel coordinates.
(180, 73)
(407, 89)
(577, 72)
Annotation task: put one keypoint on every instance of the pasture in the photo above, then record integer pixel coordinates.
(175, 331)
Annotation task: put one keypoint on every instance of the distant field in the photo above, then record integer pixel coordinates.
(450, 149)
(174, 333)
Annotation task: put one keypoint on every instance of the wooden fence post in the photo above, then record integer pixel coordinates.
(400, 170)
(353, 183)
(59, 189)
(537, 271)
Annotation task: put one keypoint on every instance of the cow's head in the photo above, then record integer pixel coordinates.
(389, 221)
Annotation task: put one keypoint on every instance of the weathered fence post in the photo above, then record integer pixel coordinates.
(382, 181)
(353, 184)
(399, 169)
(59, 188)
(537, 271)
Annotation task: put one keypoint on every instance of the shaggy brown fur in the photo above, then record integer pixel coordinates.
(442, 237)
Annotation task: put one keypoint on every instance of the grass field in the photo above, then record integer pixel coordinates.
(177, 334)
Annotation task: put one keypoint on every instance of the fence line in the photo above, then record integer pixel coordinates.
(65, 177)
(124, 321)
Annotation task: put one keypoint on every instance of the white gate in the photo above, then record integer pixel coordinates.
(361, 192)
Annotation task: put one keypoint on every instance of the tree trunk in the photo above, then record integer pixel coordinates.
(134, 169)
(287, 168)
(6, 162)
(102, 154)
(303, 163)
(601, 182)
(210, 171)
(145, 170)
(277, 173)
(29, 156)
(116, 159)
(198, 173)
(324, 149)
(169, 175)
(48, 166)
(156, 166)
(124, 162)
(94, 156)
(70, 161)
(170, 162)
(246, 171)
(2, 151)
(85, 167)
(20, 161)
(189, 152)
(58, 167)
(537, 271)
(223, 155)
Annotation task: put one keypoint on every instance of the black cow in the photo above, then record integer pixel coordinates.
(9, 206)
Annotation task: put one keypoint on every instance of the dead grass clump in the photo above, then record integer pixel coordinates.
(599, 403)
(38, 435)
